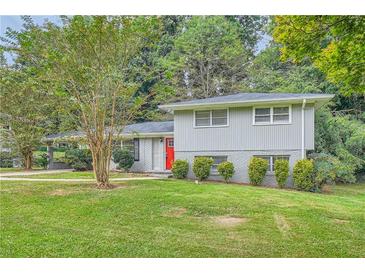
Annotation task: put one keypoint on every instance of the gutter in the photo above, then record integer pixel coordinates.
(303, 128)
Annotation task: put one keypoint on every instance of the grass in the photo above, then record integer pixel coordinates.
(14, 169)
(177, 218)
(79, 175)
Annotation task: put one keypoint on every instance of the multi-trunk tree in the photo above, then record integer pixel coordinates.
(89, 58)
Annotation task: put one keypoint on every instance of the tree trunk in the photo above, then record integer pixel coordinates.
(101, 163)
(28, 157)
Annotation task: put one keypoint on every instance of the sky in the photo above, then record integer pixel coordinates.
(15, 22)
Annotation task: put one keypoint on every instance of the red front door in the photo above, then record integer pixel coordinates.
(170, 155)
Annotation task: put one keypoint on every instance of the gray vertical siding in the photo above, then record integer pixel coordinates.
(241, 134)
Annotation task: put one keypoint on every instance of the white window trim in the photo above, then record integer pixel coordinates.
(271, 116)
(271, 161)
(211, 118)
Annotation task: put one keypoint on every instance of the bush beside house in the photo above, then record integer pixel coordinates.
(281, 172)
(201, 167)
(226, 170)
(180, 169)
(124, 158)
(79, 159)
(257, 169)
(303, 175)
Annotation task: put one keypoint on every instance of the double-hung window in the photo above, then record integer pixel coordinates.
(271, 115)
(211, 118)
(217, 160)
(271, 160)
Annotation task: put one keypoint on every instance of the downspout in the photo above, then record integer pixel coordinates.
(303, 128)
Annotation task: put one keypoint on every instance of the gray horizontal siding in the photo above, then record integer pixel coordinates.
(241, 134)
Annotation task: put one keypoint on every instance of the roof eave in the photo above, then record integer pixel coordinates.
(317, 100)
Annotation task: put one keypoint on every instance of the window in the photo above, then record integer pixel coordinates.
(281, 114)
(211, 118)
(170, 142)
(272, 115)
(217, 160)
(133, 146)
(271, 160)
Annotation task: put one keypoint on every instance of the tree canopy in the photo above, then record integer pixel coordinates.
(335, 45)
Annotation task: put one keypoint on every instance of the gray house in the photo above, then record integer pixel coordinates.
(228, 128)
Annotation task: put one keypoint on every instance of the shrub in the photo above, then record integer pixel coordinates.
(257, 169)
(328, 169)
(281, 172)
(180, 169)
(303, 175)
(124, 158)
(79, 159)
(202, 166)
(41, 160)
(6, 159)
(226, 170)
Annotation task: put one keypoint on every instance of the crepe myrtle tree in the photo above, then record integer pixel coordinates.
(89, 58)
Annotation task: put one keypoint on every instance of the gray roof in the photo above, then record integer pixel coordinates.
(139, 128)
(249, 97)
(150, 127)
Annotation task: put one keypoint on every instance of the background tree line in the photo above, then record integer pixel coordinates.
(172, 58)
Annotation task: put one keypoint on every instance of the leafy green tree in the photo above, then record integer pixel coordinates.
(208, 59)
(335, 45)
(25, 103)
(342, 137)
(89, 59)
(270, 74)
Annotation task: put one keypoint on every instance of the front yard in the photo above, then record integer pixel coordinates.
(172, 218)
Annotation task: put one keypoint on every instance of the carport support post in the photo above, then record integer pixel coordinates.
(50, 156)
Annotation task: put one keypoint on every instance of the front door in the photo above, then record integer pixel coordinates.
(170, 155)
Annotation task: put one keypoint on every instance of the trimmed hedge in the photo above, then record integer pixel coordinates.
(79, 159)
(124, 158)
(257, 169)
(281, 172)
(201, 167)
(226, 170)
(180, 169)
(303, 172)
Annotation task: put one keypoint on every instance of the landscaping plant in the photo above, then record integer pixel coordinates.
(6, 159)
(303, 175)
(41, 160)
(226, 170)
(281, 172)
(124, 158)
(180, 169)
(79, 159)
(257, 169)
(202, 166)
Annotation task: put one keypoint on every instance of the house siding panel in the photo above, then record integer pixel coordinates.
(241, 134)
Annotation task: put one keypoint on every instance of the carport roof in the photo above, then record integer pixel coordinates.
(145, 128)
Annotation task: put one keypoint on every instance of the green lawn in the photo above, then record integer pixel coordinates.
(79, 175)
(171, 218)
(14, 169)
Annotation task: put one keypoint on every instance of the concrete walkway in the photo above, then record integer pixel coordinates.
(34, 172)
(75, 180)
